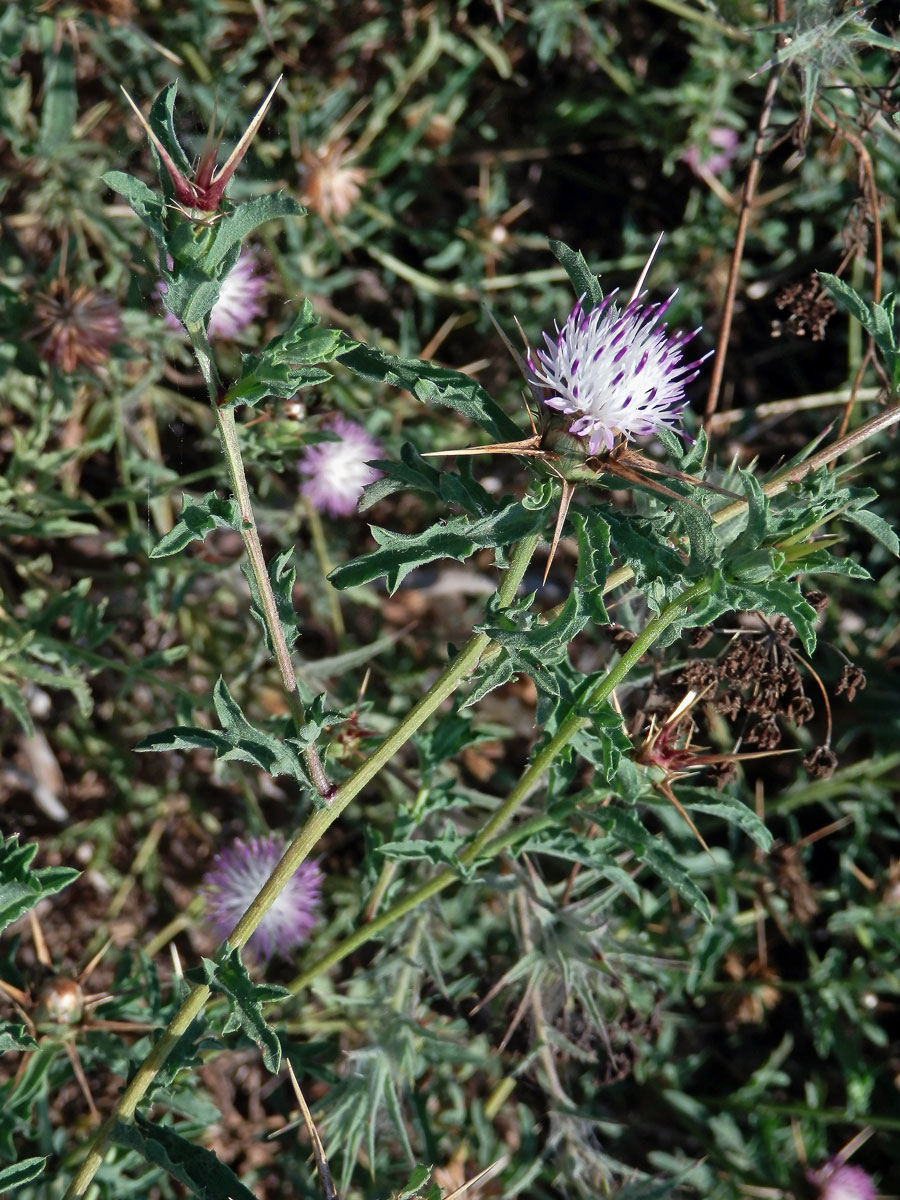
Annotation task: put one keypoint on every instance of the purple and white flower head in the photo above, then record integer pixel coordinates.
(724, 142)
(338, 470)
(837, 1181)
(239, 302)
(619, 373)
(234, 880)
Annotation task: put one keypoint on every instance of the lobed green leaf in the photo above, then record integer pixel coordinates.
(457, 538)
(196, 519)
(229, 977)
(433, 385)
(198, 1169)
(21, 886)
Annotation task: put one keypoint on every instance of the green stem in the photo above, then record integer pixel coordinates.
(320, 545)
(295, 854)
(487, 838)
(783, 480)
(250, 535)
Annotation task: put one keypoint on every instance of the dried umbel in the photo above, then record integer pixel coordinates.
(78, 329)
(758, 678)
(809, 306)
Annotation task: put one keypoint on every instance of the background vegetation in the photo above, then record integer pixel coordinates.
(581, 1026)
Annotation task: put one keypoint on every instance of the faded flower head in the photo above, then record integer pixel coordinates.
(239, 302)
(333, 184)
(78, 328)
(234, 880)
(618, 373)
(338, 471)
(840, 1182)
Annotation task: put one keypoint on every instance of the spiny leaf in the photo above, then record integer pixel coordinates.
(653, 851)
(200, 1170)
(457, 538)
(753, 534)
(237, 741)
(285, 364)
(582, 278)
(433, 385)
(283, 576)
(196, 519)
(21, 887)
(229, 976)
(879, 529)
(146, 205)
(233, 230)
(728, 808)
(14, 1036)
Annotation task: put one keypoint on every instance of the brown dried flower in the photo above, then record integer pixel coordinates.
(821, 762)
(810, 306)
(333, 184)
(852, 680)
(78, 328)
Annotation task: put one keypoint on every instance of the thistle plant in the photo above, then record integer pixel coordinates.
(481, 908)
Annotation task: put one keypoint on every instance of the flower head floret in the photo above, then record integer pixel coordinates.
(339, 470)
(78, 328)
(236, 876)
(838, 1181)
(619, 373)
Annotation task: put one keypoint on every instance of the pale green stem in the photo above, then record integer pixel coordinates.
(487, 837)
(253, 546)
(295, 854)
(320, 545)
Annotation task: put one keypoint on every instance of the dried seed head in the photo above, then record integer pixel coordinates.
(78, 328)
(61, 1002)
(810, 306)
(821, 762)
